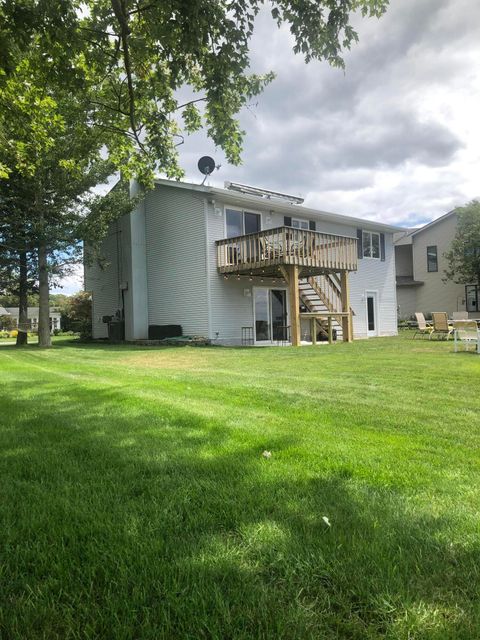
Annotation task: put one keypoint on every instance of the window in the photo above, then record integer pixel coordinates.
(371, 244)
(432, 260)
(240, 223)
(297, 223)
(472, 295)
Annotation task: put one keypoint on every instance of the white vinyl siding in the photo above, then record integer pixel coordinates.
(102, 279)
(176, 266)
(231, 308)
(184, 286)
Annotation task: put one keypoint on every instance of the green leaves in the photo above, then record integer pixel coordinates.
(128, 60)
(464, 255)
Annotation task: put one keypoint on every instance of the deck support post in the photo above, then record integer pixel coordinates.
(292, 281)
(346, 320)
(313, 330)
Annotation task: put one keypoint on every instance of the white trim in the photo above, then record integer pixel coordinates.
(243, 211)
(377, 233)
(372, 293)
(430, 224)
(300, 220)
(268, 287)
(266, 205)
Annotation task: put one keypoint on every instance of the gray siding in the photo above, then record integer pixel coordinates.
(103, 281)
(404, 260)
(407, 304)
(176, 259)
(435, 294)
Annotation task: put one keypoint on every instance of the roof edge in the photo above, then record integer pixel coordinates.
(275, 204)
(433, 222)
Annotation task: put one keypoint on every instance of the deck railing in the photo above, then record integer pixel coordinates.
(286, 245)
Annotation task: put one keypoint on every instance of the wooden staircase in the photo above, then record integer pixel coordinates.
(323, 294)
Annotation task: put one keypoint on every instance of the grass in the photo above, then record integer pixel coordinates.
(135, 502)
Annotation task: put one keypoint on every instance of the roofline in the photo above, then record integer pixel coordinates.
(276, 205)
(432, 223)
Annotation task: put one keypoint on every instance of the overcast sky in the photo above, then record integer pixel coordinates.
(396, 137)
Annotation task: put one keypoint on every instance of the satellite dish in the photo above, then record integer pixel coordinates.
(206, 165)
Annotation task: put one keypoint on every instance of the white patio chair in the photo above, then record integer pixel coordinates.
(460, 315)
(466, 331)
(424, 328)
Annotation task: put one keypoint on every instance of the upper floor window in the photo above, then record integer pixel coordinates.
(370, 244)
(240, 222)
(432, 260)
(298, 223)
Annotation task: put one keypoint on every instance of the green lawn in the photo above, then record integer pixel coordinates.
(135, 502)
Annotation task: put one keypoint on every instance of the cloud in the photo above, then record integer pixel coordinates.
(71, 283)
(395, 137)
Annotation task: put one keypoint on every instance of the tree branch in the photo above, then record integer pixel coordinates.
(119, 9)
(186, 104)
(140, 9)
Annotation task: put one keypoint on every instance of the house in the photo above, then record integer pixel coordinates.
(55, 317)
(242, 265)
(420, 265)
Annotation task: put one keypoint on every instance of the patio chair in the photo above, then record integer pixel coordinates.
(441, 327)
(424, 328)
(269, 250)
(459, 315)
(466, 331)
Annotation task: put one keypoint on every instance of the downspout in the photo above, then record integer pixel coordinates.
(207, 271)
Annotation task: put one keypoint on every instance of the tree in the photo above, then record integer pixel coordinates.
(464, 254)
(130, 58)
(15, 246)
(76, 313)
(76, 77)
(48, 189)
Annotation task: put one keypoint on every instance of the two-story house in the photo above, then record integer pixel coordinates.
(240, 265)
(420, 266)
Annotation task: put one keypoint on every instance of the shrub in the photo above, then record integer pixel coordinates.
(7, 323)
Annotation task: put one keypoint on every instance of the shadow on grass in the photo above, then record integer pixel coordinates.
(122, 519)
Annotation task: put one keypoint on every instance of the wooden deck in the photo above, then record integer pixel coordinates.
(265, 252)
(295, 254)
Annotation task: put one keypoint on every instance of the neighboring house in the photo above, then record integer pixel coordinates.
(54, 313)
(241, 262)
(420, 266)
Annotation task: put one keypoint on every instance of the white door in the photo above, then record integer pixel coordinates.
(372, 313)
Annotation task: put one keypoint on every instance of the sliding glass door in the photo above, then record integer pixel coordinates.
(270, 309)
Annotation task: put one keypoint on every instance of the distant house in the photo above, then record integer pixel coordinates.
(420, 266)
(242, 264)
(55, 317)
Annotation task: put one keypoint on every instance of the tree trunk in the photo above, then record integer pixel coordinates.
(44, 339)
(22, 337)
